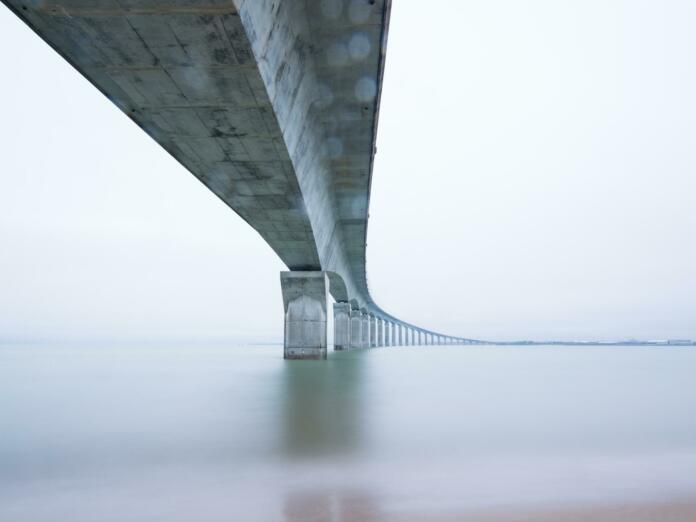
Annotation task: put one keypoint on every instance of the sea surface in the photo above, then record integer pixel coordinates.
(235, 433)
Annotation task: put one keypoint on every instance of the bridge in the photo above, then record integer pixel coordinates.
(273, 105)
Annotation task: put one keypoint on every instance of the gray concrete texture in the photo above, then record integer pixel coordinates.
(305, 302)
(272, 105)
(342, 326)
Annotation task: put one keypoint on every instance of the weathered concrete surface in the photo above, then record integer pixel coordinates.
(273, 105)
(380, 332)
(305, 300)
(341, 326)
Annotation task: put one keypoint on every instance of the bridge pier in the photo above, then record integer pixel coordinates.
(373, 331)
(341, 326)
(355, 328)
(387, 332)
(305, 300)
(365, 328)
(380, 332)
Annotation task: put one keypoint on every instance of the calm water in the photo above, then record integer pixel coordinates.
(125, 433)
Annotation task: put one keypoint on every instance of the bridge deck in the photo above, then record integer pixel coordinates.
(272, 105)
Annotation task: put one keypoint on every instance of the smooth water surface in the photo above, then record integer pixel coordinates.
(124, 433)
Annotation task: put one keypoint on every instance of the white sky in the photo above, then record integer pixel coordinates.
(535, 178)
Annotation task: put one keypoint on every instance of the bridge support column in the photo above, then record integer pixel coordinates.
(355, 329)
(380, 332)
(420, 338)
(305, 300)
(365, 327)
(387, 333)
(400, 341)
(341, 326)
(373, 331)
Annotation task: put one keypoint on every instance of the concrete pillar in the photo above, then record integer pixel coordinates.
(380, 332)
(407, 334)
(387, 333)
(365, 341)
(355, 328)
(373, 331)
(420, 338)
(305, 300)
(400, 341)
(341, 326)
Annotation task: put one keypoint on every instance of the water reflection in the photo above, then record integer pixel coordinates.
(322, 406)
(171, 434)
(331, 506)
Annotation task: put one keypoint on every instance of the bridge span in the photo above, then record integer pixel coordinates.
(272, 105)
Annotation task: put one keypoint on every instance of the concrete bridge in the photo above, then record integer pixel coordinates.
(273, 105)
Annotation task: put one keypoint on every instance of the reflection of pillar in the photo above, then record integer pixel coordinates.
(305, 300)
(380, 331)
(355, 329)
(365, 341)
(373, 331)
(341, 326)
(320, 411)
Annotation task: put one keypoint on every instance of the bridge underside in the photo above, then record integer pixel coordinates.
(272, 105)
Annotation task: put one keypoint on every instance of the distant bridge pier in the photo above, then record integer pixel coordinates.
(407, 331)
(305, 300)
(365, 328)
(355, 328)
(387, 333)
(341, 326)
(420, 338)
(380, 332)
(373, 331)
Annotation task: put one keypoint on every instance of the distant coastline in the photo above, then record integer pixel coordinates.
(627, 342)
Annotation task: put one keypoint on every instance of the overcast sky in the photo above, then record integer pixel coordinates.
(535, 178)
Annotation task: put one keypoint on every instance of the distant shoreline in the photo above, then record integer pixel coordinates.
(669, 343)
